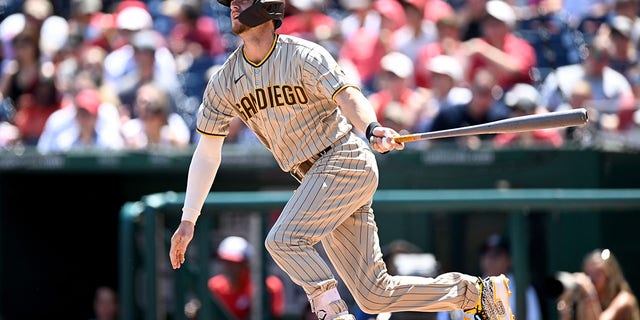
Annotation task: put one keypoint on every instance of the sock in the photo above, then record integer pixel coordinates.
(328, 305)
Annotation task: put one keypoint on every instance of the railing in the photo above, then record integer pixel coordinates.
(146, 215)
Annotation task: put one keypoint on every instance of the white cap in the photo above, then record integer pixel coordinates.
(501, 11)
(522, 96)
(305, 5)
(234, 248)
(446, 65)
(12, 25)
(134, 18)
(54, 34)
(622, 25)
(398, 63)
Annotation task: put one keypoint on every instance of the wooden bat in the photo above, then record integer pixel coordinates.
(569, 118)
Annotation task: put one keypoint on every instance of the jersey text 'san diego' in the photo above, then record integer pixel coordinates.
(284, 99)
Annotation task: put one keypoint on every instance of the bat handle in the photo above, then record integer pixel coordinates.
(407, 138)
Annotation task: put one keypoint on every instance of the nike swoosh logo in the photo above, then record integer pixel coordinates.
(236, 80)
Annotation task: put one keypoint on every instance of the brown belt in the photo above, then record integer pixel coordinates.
(301, 169)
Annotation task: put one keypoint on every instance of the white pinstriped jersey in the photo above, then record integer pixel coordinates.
(287, 99)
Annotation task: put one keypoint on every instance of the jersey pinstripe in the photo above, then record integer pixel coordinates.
(284, 99)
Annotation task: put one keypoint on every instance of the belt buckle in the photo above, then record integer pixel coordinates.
(301, 169)
(295, 174)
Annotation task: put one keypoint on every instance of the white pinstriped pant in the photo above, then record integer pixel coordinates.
(333, 205)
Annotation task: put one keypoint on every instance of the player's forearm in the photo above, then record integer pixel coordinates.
(356, 108)
(202, 171)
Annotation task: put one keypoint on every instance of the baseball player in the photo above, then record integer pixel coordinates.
(302, 107)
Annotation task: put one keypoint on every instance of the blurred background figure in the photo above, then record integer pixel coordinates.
(617, 32)
(27, 86)
(407, 259)
(523, 99)
(495, 259)
(194, 35)
(587, 134)
(88, 24)
(233, 287)
(446, 90)
(485, 106)
(89, 129)
(130, 19)
(630, 10)
(611, 91)
(510, 58)
(362, 45)
(395, 102)
(308, 20)
(471, 14)
(156, 126)
(105, 304)
(599, 292)
(54, 39)
(145, 45)
(358, 14)
(448, 42)
(416, 33)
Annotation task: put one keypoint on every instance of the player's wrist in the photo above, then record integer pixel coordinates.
(189, 214)
(369, 131)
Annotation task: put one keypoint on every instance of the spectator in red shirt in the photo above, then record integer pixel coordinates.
(396, 103)
(363, 51)
(509, 57)
(195, 34)
(232, 287)
(435, 9)
(308, 21)
(26, 82)
(448, 43)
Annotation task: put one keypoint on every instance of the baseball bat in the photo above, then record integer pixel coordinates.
(569, 118)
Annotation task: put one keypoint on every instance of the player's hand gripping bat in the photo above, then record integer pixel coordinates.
(570, 118)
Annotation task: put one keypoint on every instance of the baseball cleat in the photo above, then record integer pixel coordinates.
(494, 301)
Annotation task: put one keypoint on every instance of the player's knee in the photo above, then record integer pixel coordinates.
(270, 243)
(282, 243)
(368, 307)
(374, 299)
(276, 243)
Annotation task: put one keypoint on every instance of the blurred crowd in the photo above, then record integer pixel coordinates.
(129, 75)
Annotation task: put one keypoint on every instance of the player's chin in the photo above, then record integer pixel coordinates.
(238, 27)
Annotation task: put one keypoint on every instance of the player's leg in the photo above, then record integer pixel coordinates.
(335, 186)
(354, 250)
